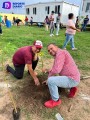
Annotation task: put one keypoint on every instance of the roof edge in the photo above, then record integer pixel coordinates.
(53, 2)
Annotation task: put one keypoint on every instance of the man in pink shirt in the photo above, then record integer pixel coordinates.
(26, 55)
(70, 32)
(69, 76)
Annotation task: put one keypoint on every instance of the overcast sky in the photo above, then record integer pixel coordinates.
(77, 2)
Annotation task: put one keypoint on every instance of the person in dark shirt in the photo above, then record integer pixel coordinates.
(85, 22)
(31, 21)
(77, 22)
(26, 55)
(18, 21)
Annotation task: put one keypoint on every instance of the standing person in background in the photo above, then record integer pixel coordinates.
(26, 20)
(77, 22)
(70, 32)
(14, 21)
(5, 18)
(51, 19)
(85, 22)
(31, 21)
(0, 25)
(58, 23)
(3, 21)
(46, 21)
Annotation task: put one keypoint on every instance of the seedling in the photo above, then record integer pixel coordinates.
(41, 54)
(16, 114)
(6, 50)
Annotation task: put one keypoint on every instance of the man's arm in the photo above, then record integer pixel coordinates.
(58, 65)
(88, 20)
(74, 28)
(33, 74)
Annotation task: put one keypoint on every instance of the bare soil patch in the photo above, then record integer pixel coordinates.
(30, 99)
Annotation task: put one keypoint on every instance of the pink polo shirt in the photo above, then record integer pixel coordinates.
(68, 29)
(64, 65)
(51, 17)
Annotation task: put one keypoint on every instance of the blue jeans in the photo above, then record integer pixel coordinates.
(19, 69)
(59, 81)
(58, 28)
(51, 28)
(84, 27)
(70, 38)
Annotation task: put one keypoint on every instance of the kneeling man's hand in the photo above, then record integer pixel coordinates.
(44, 82)
(45, 70)
(37, 83)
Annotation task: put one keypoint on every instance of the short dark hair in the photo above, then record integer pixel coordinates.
(46, 16)
(70, 15)
(51, 44)
(52, 12)
(59, 13)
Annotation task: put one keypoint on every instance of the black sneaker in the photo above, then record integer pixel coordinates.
(7, 68)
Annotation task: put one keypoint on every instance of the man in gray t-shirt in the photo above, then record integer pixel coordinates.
(58, 23)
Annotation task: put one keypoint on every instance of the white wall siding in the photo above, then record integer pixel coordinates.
(65, 9)
(83, 9)
(69, 9)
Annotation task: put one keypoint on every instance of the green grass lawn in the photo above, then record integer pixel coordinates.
(24, 36)
(29, 97)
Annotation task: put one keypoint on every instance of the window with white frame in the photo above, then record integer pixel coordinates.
(88, 7)
(47, 9)
(57, 9)
(27, 11)
(34, 11)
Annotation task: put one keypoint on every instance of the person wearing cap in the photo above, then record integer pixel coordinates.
(58, 23)
(26, 55)
(64, 74)
(51, 19)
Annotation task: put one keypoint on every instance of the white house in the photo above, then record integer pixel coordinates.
(85, 9)
(40, 10)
